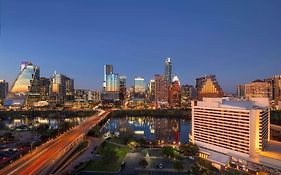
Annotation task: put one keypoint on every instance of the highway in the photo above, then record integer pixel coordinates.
(42, 158)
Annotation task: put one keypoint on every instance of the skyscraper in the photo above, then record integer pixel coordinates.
(26, 89)
(139, 85)
(108, 69)
(44, 88)
(168, 71)
(3, 90)
(122, 89)
(62, 88)
(112, 83)
(161, 89)
(208, 86)
(174, 93)
(151, 90)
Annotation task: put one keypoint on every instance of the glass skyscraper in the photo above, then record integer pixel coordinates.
(168, 71)
(139, 85)
(25, 90)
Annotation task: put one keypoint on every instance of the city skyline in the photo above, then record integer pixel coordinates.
(224, 39)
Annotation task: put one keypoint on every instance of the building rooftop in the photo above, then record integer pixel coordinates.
(254, 103)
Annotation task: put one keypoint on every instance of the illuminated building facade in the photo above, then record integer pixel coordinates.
(108, 69)
(139, 85)
(258, 89)
(112, 83)
(4, 86)
(151, 90)
(276, 89)
(230, 129)
(45, 88)
(188, 93)
(123, 89)
(62, 88)
(161, 89)
(26, 89)
(174, 93)
(168, 71)
(208, 86)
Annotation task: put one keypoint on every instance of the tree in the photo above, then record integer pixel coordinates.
(189, 149)
(168, 151)
(143, 163)
(178, 166)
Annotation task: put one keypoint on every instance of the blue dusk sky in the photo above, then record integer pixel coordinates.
(237, 40)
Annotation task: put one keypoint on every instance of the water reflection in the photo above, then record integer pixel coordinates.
(164, 130)
(28, 122)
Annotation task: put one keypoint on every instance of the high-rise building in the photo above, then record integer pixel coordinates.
(188, 93)
(276, 89)
(161, 89)
(112, 83)
(25, 91)
(62, 88)
(240, 91)
(4, 86)
(45, 88)
(175, 93)
(258, 89)
(108, 69)
(208, 86)
(139, 85)
(151, 90)
(168, 71)
(69, 88)
(228, 130)
(123, 89)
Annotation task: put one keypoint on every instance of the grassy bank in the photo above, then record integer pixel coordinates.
(111, 158)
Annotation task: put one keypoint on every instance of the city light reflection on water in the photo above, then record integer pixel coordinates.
(165, 130)
(30, 122)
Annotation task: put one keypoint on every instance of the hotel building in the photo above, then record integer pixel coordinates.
(226, 130)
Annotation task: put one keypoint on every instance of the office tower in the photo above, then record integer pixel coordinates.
(240, 91)
(151, 90)
(25, 90)
(174, 93)
(45, 88)
(276, 89)
(69, 89)
(226, 130)
(139, 85)
(112, 83)
(123, 89)
(168, 71)
(108, 69)
(188, 93)
(161, 89)
(208, 86)
(62, 88)
(258, 88)
(4, 86)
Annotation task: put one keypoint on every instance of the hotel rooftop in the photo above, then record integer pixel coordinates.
(255, 103)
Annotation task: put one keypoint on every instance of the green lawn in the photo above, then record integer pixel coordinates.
(111, 158)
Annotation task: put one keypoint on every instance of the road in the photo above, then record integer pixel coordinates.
(42, 158)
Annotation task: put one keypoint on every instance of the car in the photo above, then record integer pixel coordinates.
(190, 157)
(160, 166)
